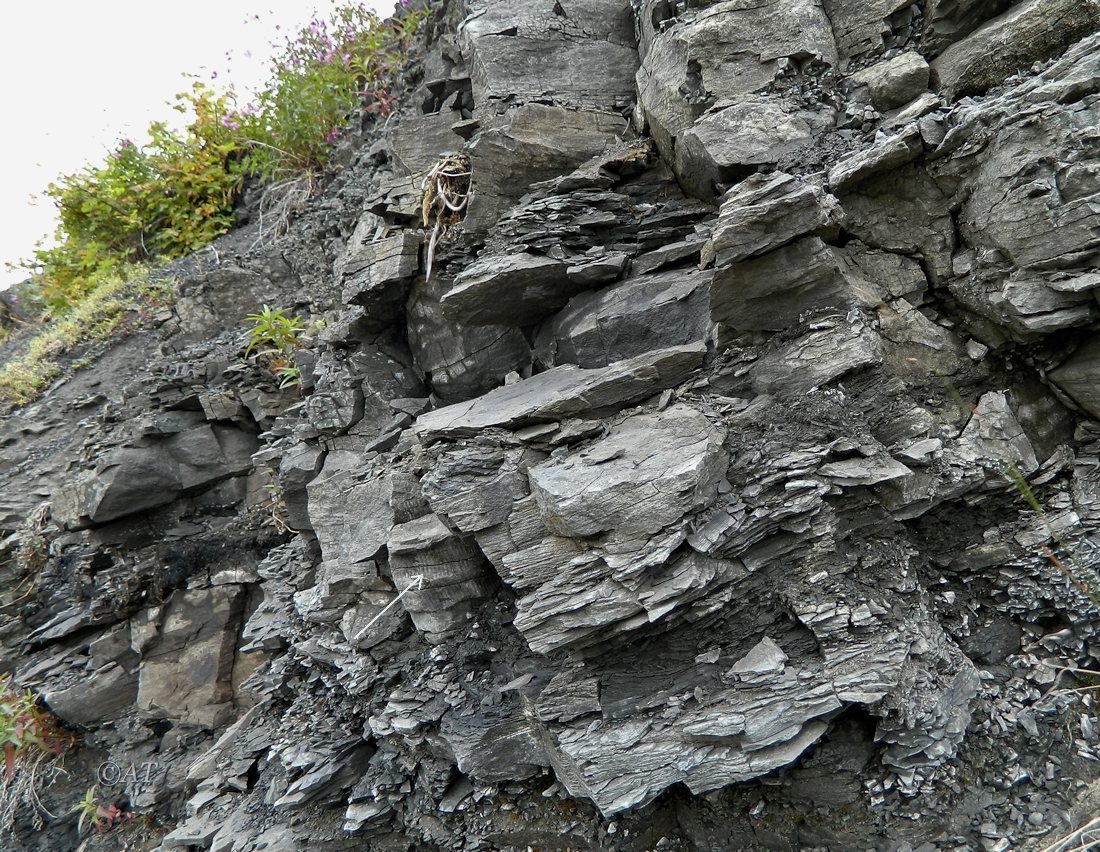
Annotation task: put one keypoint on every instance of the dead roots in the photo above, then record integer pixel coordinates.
(446, 193)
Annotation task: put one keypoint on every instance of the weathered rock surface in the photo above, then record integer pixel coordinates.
(566, 391)
(730, 483)
(515, 290)
(650, 312)
(769, 293)
(1028, 32)
(766, 211)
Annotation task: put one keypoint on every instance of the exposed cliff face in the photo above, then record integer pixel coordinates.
(678, 508)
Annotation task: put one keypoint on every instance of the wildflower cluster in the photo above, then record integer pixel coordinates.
(320, 78)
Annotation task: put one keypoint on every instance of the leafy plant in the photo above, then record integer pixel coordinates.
(290, 375)
(31, 738)
(162, 200)
(275, 337)
(277, 330)
(24, 726)
(101, 817)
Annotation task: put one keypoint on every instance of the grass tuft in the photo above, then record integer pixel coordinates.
(118, 302)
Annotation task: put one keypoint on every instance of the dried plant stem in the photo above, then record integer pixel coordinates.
(446, 194)
(1085, 837)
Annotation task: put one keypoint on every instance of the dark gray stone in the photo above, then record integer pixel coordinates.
(514, 290)
(638, 315)
(565, 392)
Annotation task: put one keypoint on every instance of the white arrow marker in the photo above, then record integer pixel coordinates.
(417, 582)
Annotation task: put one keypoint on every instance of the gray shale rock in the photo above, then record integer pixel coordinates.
(654, 311)
(1027, 32)
(717, 491)
(565, 391)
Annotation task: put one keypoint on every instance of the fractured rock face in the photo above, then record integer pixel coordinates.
(770, 292)
(441, 575)
(377, 273)
(351, 518)
(763, 212)
(1079, 377)
(459, 361)
(154, 473)
(515, 290)
(625, 483)
(591, 63)
(532, 143)
(893, 83)
(724, 498)
(1029, 31)
(639, 315)
(565, 392)
(735, 139)
(627, 490)
(726, 48)
(187, 664)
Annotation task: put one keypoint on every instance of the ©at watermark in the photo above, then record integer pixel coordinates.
(112, 774)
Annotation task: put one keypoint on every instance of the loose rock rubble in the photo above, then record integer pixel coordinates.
(731, 481)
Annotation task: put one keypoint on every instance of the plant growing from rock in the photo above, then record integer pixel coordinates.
(30, 738)
(276, 336)
(100, 817)
(275, 330)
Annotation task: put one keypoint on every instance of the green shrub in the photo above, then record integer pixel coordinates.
(159, 201)
(177, 192)
(317, 82)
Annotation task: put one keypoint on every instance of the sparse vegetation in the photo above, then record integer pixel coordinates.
(274, 330)
(274, 338)
(120, 299)
(102, 818)
(31, 740)
(177, 192)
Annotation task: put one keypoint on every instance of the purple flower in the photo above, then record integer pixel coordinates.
(332, 135)
(231, 122)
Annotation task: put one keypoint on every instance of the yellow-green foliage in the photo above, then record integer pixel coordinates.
(159, 201)
(177, 192)
(115, 294)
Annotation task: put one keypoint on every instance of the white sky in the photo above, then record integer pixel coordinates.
(77, 76)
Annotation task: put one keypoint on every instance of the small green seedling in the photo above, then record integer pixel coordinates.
(102, 818)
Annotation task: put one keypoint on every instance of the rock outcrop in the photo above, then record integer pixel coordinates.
(730, 482)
